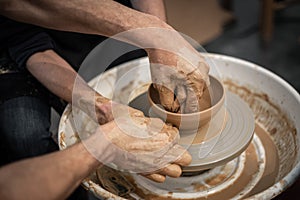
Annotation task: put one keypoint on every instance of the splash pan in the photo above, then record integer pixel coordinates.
(263, 168)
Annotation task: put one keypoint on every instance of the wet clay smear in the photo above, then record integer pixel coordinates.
(270, 117)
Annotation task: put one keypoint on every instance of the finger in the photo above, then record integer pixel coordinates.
(181, 155)
(204, 70)
(181, 93)
(195, 85)
(155, 177)
(166, 96)
(184, 160)
(203, 67)
(172, 132)
(192, 101)
(135, 113)
(180, 97)
(176, 106)
(172, 170)
(156, 125)
(145, 146)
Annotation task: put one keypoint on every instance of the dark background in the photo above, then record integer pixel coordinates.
(281, 54)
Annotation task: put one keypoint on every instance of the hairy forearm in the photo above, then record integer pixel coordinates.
(102, 17)
(153, 7)
(62, 80)
(53, 72)
(53, 176)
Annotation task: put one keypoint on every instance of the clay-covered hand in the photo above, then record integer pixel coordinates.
(179, 79)
(140, 144)
(103, 110)
(107, 110)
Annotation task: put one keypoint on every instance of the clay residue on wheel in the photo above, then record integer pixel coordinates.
(274, 121)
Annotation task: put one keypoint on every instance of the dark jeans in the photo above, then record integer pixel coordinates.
(24, 127)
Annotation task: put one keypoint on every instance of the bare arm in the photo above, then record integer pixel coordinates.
(60, 78)
(152, 7)
(101, 17)
(108, 18)
(56, 175)
(53, 176)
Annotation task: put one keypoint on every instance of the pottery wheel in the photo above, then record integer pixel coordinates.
(230, 143)
(234, 138)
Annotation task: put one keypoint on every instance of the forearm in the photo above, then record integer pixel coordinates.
(152, 7)
(62, 80)
(53, 176)
(53, 72)
(102, 17)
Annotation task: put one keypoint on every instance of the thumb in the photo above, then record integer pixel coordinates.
(166, 97)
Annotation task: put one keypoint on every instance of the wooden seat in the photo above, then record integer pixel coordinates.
(268, 9)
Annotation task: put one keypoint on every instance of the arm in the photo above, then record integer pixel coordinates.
(152, 7)
(60, 78)
(52, 176)
(106, 17)
(56, 175)
(85, 16)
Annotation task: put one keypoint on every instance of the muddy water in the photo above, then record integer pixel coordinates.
(276, 123)
(272, 161)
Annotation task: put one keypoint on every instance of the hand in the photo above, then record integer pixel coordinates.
(137, 143)
(179, 82)
(107, 110)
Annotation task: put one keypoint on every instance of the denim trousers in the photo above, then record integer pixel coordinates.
(24, 131)
(24, 128)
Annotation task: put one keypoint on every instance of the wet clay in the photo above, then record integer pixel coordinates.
(250, 170)
(268, 178)
(205, 101)
(276, 134)
(275, 122)
(140, 103)
(211, 102)
(113, 181)
(272, 161)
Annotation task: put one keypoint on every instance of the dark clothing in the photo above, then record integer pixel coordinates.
(25, 104)
(22, 40)
(27, 120)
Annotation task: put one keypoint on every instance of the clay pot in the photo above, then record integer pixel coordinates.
(210, 104)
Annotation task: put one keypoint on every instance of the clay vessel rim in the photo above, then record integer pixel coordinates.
(210, 109)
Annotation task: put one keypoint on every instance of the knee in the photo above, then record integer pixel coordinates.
(25, 130)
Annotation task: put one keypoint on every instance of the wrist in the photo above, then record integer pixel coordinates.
(149, 20)
(94, 105)
(103, 110)
(164, 57)
(148, 31)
